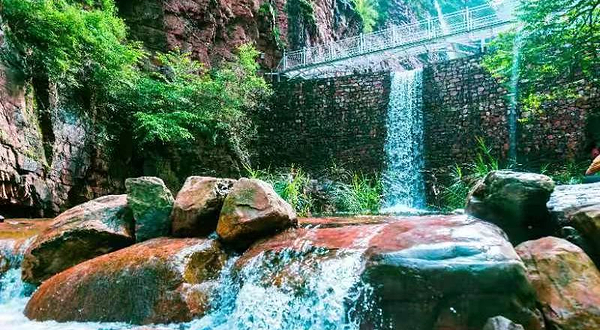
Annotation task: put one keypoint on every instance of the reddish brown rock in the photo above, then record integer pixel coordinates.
(84, 232)
(428, 273)
(16, 235)
(159, 281)
(566, 282)
(197, 206)
(252, 211)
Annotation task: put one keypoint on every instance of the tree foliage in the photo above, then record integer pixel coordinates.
(68, 42)
(166, 99)
(367, 11)
(181, 99)
(559, 40)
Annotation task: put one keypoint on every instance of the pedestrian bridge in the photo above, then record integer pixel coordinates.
(460, 33)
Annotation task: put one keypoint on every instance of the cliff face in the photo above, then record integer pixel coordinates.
(51, 156)
(212, 29)
(44, 155)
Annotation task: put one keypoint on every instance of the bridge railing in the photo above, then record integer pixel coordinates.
(460, 22)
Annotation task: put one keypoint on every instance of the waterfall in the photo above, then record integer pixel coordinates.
(298, 288)
(302, 287)
(404, 186)
(514, 99)
(445, 28)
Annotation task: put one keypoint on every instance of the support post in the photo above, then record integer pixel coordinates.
(331, 51)
(303, 55)
(468, 19)
(430, 27)
(284, 60)
(361, 43)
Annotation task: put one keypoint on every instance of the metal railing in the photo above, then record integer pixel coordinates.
(457, 23)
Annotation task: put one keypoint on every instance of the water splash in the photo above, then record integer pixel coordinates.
(445, 28)
(304, 287)
(404, 185)
(513, 114)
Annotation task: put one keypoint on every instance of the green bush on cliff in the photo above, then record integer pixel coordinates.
(558, 41)
(367, 11)
(73, 43)
(81, 47)
(182, 99)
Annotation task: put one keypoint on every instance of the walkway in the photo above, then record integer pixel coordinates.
(456, 32)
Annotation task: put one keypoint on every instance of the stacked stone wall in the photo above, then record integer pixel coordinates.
(317, 123)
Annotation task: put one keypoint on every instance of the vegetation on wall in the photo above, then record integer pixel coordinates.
(82, 48)
(269, 13)
(559, 41)
(367, 11)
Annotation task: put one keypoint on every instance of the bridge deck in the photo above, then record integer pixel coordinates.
(401, 41)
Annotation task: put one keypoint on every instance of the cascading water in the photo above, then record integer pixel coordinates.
(299, 288)
(404, 186)
(445, 28)
(514, 98)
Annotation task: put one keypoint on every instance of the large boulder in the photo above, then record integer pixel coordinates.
(514, 201)
(586, 221)
(84, 232)
(251, 211)
(566, 281)
(151, 203)
(159, 281)
(420, 273)
(567, 199)
(197, 206)
(575, 212)
(501, 323)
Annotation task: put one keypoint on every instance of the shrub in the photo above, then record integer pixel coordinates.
(454, 195)
(181, 99)
(367, 11)
(74, 43)
(350, 193)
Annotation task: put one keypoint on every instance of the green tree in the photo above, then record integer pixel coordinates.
(73, 43)
(367, 10)
(559, 41)
(181, 100)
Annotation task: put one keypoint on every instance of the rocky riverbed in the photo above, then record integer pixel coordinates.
(241, 260)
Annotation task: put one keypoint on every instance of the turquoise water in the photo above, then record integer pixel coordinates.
(404, 185)
(303, 288)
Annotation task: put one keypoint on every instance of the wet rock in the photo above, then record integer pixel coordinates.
(566, 282)
(575, 211)
(586, 222)
(197, 206)
(436, 272)
(84, 232)
(567, 199)
(252, 211)
(501, 323)
(158, 281)
(15, 238)
(516, 202)
(151, 202)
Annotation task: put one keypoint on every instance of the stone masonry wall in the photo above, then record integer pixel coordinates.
(316, 123)
(462, 102)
